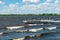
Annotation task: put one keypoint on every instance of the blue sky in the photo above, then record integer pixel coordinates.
(29, 6)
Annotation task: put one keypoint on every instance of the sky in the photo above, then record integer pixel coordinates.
(29, 6)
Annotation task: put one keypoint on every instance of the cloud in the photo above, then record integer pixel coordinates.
(17, 3)
(45, 7)
(12, 5)
(47, 1)
(57, 1)
(32, 1)
(2, 2)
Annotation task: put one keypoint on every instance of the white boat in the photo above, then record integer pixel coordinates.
(34, 24)
(51, 28)
(35, 30)
(20, 30)
(18, 38)
(14, 27)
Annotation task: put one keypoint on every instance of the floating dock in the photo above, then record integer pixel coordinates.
(14, 27)
(41, 21)
(23, 34)
(32, 34)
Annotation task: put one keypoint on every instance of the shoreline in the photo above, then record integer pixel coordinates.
(29, 14)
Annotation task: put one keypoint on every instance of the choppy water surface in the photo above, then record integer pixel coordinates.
(17, 21)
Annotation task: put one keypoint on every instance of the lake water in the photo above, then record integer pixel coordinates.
(18, 20)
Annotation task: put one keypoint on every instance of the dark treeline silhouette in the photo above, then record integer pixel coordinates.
(29, 14)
